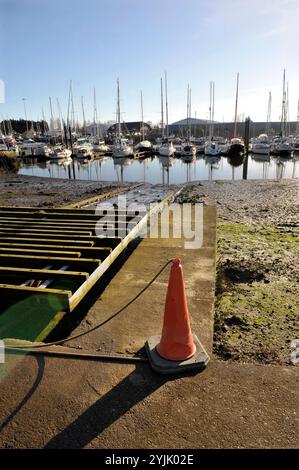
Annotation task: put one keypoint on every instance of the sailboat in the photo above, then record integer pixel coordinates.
(261, 145)
(122, 147)
(236, 144)
(144, 145)
(211, 146)
(3, 145)
(281, 146)
(166, 148)
(188, 151)
(98, 144)
(60, 152)
(159, 140)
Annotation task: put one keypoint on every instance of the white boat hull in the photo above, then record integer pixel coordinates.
(122, 152)
(166, 151)
(260, 149)
(188, 151)
(212, 151)
(63, 154)
(281, 149)
(100, 148)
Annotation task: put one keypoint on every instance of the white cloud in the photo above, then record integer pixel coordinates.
(280, 30)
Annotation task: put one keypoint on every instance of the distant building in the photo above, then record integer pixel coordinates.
(94, 129)
(130, 128)
(200, 128)
(179, 128)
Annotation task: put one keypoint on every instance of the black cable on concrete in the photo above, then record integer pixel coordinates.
(99, 325)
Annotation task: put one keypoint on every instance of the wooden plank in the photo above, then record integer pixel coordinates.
(42, 273)
(9, 289)
(39, 252)
(43, 230)
(76, 250)
(58, 210)
(48, 241)
(81, 225)
(40, 215)
(38, 235)
(83, 264)
(47, 223)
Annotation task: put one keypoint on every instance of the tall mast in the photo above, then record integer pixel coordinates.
(44, 119)
(213, 107)
(68, 105)
(141, 99)
(95, 114)
(210, 112)
(188, 112)
(236, 107)
(83, 115)
(269, 112)
(297, 127)
(166, 106)
(60, 116)
(118, 110)
(51, 114)
(25, 112)
(287, 111)
(162, 108)
(283, 109)
(3, 126)
(73, 111)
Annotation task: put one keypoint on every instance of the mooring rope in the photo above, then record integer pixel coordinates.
(99, 325)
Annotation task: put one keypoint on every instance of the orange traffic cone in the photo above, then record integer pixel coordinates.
(177, 349)
(176, 342)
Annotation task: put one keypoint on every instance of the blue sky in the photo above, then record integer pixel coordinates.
(45, 43)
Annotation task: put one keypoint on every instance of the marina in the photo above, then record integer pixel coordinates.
(164, 170)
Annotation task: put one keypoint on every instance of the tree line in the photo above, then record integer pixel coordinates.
(20, 126)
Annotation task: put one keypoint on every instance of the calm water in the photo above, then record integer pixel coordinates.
(166, 171)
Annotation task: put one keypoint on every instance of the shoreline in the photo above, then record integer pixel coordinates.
(38, 190)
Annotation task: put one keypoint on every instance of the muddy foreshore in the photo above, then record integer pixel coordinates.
(257, 298)
(33, 191)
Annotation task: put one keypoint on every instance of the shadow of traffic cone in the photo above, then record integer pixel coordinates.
(177, 349)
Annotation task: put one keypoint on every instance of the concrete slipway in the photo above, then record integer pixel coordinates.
(70, 403)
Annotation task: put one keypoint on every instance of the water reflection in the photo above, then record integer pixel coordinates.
(165, 170)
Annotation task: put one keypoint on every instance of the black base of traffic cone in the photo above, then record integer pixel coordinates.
(198, 361)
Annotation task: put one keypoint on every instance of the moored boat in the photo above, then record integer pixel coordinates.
(261, 145)
(236, 146)
(121, 148)
(60, 153)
